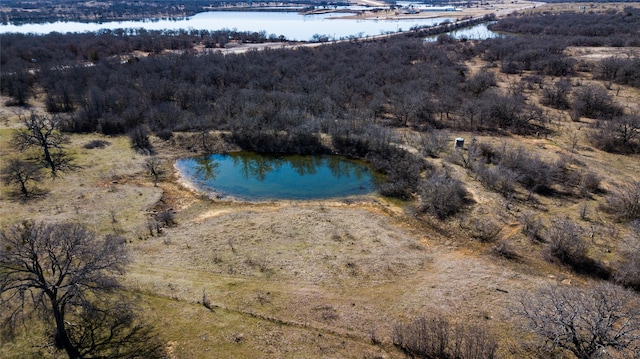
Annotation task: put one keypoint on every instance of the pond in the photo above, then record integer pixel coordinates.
(291, 25)
(253, 176)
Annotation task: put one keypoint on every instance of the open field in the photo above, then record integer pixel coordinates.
(310, 279)
(325, 279)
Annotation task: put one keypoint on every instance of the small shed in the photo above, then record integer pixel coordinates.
(459, 143)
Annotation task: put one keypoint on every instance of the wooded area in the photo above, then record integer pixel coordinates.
(393, 102)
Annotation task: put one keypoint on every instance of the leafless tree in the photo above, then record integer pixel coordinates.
(628, 269)
(155, 169)
(532, 226)
(597, 322)
(436, 338)
(565, 241)
(139, 138)
(619, 135)
(609, 69)
(66, 271)
(624, 202)
(44, 133)
(556, 95)
(594, 101)
(23, 174)
(442, 196)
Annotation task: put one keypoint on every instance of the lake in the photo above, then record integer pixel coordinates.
(476, 32)
(253, 176)
(289, 24)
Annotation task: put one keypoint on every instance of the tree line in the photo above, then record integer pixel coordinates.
(39, 11)
(282, 101)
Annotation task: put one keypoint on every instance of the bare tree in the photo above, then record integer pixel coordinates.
(155, 169)
(624, 202)
(44, 133)
(556, 95)
(436, 338)
(565, 241)
(628, 269)
(619, 135)
(609, 69)
(23, 174)
(65, 270)
(594, 101)
(590, 322)
(139, 138)
(442, 196)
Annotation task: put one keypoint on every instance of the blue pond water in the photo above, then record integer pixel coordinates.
(253, 176)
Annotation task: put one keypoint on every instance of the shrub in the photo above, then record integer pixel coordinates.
(139, 139)
(594, 101)
(624, 202)
(435, 142)
(401, 168)
(497, 178)
(442, 196)
(483, 229)
(531, 226)
(515, 165)
(504, 250)
(557, 95)
(621, 134)
(589, 183)
(628, 271)
(437, 338)
(166, 217)
(567, 246)
(165, 134)
(96, 144)
(565, 242)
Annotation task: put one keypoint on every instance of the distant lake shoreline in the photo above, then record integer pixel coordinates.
(290, 24)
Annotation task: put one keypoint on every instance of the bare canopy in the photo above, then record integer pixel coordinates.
(57, 267)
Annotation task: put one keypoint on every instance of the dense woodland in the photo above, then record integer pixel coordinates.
(359, 94)
(281, 100)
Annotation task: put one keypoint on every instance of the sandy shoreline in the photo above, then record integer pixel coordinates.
(497, 8)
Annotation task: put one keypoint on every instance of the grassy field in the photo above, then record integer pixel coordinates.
(318, 279)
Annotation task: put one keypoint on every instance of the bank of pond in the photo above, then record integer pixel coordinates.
(254, 176)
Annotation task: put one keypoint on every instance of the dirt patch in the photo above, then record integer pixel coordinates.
(595, 54)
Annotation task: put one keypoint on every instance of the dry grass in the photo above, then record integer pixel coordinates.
(594, 7)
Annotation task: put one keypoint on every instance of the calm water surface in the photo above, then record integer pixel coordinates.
(289, 24)
(476, 32)
(253, 176)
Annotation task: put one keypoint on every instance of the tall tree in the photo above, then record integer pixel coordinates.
(44, 133)
(587, 322)
(66, 270)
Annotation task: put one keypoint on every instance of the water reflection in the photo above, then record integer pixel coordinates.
(291, 25)
(476, 32)
(206, 169)
(256, 176)
(253, 165)
(340, 168)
